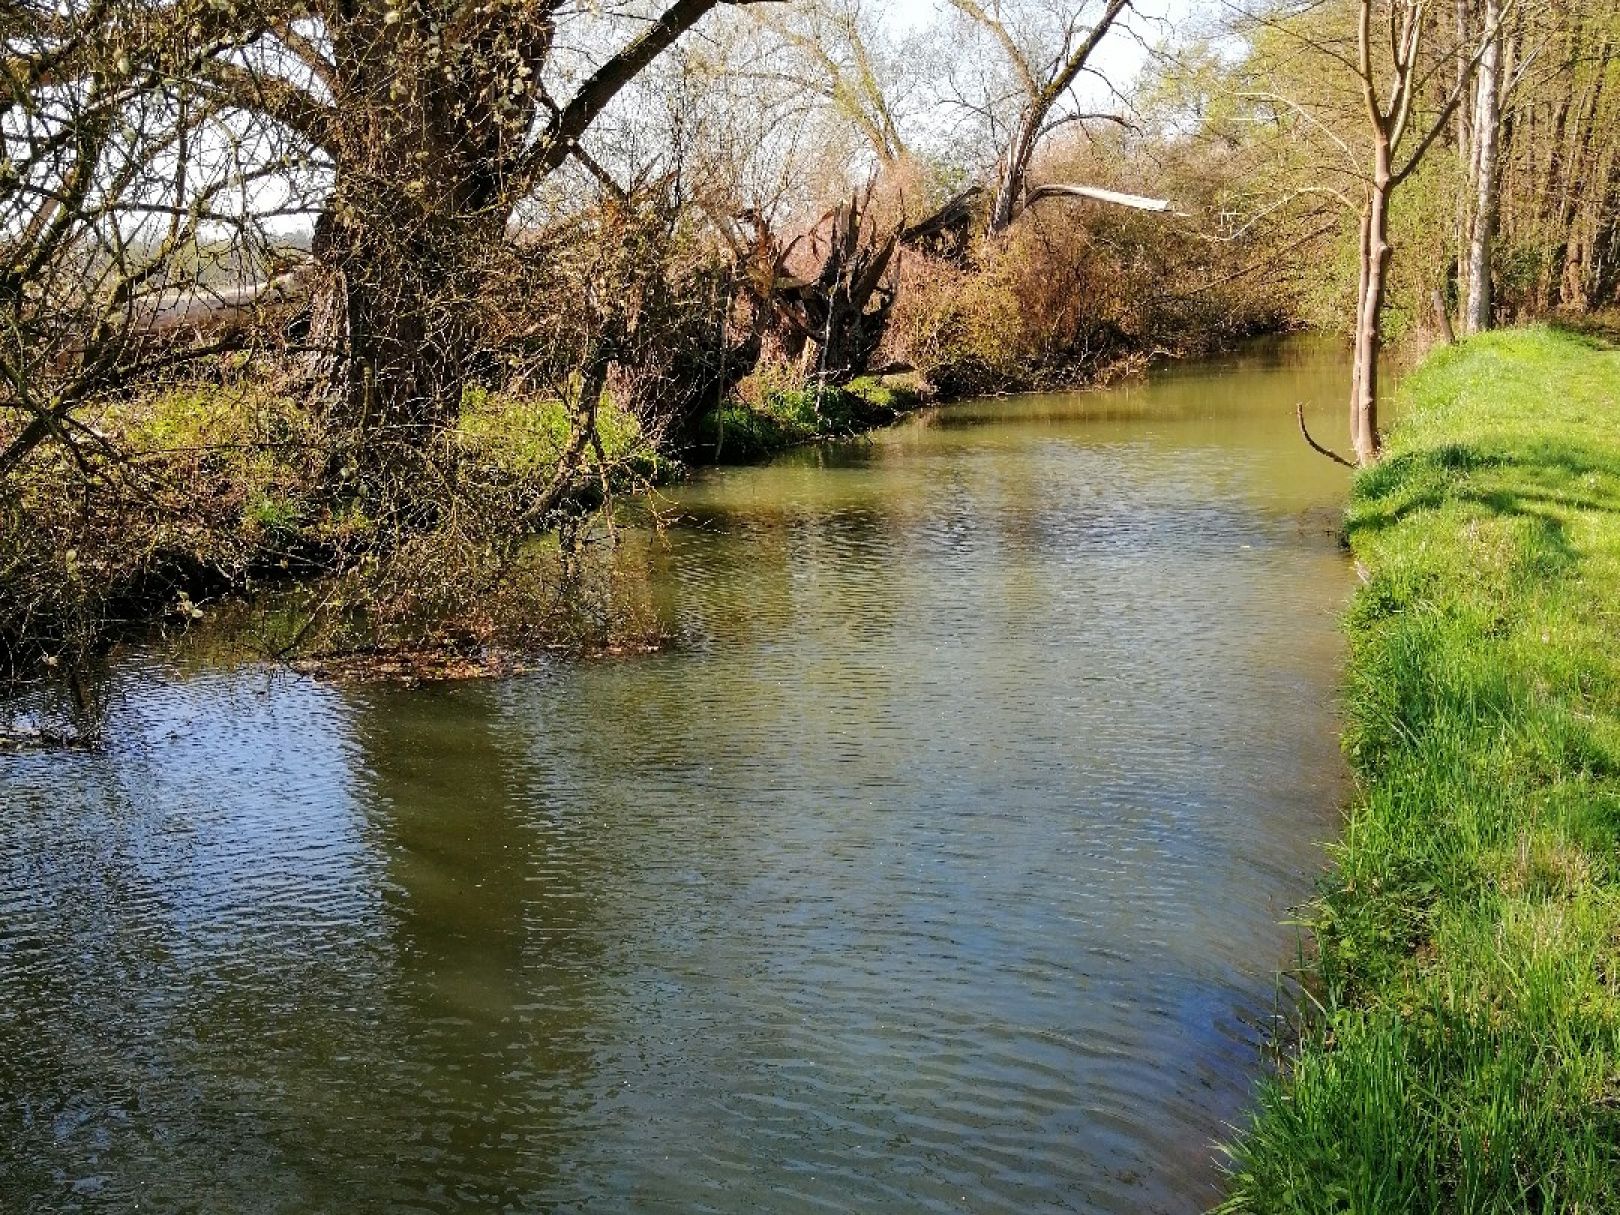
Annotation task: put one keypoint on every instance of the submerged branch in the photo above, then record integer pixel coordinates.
(1299, 413)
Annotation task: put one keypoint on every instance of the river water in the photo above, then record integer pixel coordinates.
(941, 863)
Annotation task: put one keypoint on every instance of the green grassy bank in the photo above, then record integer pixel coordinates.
(1463, 1048)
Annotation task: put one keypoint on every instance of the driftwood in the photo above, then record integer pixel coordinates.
(44, 740)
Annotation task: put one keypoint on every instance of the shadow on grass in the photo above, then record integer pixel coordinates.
(1597, 331)
(1528, 483)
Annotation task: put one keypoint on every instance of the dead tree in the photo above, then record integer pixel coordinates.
(947, 233)
(1041, 86)
(830, 318)
(839, 315)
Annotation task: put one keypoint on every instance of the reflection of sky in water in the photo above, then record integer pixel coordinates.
(940, 865)
(227, 804)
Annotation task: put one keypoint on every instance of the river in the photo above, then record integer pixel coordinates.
(941, 863)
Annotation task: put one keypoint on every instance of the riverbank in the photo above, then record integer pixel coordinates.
(772, 418)
(221, 490)
(1463, 1049)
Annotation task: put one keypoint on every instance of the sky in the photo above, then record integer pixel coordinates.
(903, 15)
(1119, 58)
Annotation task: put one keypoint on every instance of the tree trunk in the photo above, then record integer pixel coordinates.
(392, 317)
(1465, 155)
(1369, 313)
(1013, 170)
(414, 213)
(1477, 314)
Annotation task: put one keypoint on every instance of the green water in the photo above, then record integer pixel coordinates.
(939, 864)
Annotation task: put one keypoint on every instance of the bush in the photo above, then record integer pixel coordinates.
(1070, 292)
(776, 408)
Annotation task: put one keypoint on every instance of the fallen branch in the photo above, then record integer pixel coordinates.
(43, 740)
(1098, 194)
(1299, 412)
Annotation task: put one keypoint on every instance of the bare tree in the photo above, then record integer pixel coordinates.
(1043, 73)
(836, 51)
(1391, 94)
(119, 196)
(435, 120)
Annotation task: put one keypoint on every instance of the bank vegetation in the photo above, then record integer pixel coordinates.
(396, 301)
(1459, 1050)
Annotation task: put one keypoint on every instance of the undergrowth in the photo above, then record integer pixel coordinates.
(222, 488)
(772, 411)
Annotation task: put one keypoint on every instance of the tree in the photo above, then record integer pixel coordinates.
(1391, 94)
(838, 53)
(116, 196)
(1483, 177)
(1045, 60)
(1558, 191)
(1351, 97)
(437, 119)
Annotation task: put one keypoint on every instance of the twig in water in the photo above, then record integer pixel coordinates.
(1299, 412)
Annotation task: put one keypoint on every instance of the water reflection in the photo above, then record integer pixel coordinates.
(939, 865)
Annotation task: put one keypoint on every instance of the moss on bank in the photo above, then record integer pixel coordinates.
(776, 416)
(1465, 1052)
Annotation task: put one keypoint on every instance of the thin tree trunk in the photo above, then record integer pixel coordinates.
(1487, 97)
(1465, 156)
(1369, 314)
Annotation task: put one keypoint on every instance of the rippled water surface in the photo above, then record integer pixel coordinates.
(940, 865)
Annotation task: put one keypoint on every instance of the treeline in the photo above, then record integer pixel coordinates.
(1513, 212)
(388, 287)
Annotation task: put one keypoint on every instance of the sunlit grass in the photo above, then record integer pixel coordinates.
(1465, 1052)
(525, 435)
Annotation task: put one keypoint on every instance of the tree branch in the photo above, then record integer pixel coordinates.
(1137, 202)
(1299, 413)
(570, 123)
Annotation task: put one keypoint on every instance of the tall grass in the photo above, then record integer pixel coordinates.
(1464, 1051)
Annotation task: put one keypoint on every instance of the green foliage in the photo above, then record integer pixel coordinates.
(271, 514)
(1465, 1055)
(774, 410)
(524, 436)
(894, 394)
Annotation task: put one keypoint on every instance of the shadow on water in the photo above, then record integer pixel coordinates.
(488, 983)
(942, 864)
